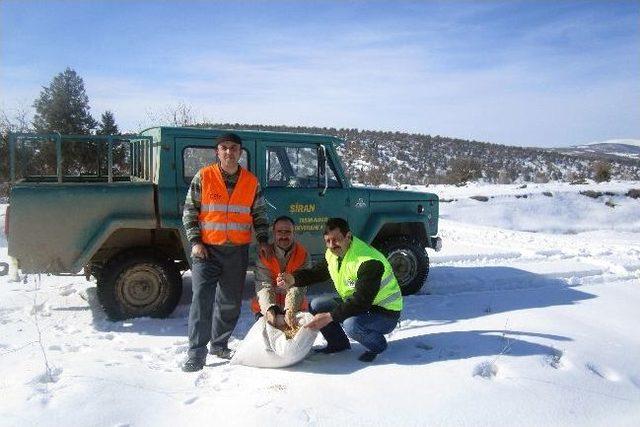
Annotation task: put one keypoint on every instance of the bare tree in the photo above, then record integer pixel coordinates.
(17, 119)
(179, 115)
(13, 120)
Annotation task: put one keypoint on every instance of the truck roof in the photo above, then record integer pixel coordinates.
(244, 134)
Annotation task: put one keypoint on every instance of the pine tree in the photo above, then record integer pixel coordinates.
(108, 124)
(64, 106)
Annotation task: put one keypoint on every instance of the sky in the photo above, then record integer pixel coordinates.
(537, 73)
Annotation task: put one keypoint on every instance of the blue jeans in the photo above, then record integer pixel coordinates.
(368, 328)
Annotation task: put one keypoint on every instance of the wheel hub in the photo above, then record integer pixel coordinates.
(404, 264)
(140, 287)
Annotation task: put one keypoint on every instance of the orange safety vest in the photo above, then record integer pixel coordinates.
(296, 261)
(225, 218)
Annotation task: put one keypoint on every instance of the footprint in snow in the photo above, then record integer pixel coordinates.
(190, 400)
(113, 364)
(202, 379)
(72, 348)
(47, 377)
(424, 346)
(137, 349)
(555, 359)
(602, 372)
(486, 370)
(277, 387)
(66, 291)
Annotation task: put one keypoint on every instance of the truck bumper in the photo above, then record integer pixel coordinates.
(436, 243)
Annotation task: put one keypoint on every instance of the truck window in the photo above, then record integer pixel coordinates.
(296, 167)
(194, 158)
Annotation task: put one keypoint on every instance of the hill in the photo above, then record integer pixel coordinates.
(394, 158)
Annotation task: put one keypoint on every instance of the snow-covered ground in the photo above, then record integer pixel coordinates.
(530, 316)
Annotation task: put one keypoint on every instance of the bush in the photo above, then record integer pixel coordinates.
(591, 193)
(634, 193)
(541, 178)
(464, 169)
(602, 172)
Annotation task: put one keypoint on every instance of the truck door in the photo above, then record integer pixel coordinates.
(292, 181)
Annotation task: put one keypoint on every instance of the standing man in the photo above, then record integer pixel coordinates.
(289, 256)
(222, 203)
(370, 300)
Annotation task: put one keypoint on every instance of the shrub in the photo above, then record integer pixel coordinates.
(602, 172)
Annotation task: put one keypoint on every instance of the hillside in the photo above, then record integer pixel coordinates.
(373, 157)
(611, 149)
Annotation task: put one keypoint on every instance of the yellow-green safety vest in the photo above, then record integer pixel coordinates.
(344, 279)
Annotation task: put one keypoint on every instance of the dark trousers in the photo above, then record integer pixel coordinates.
(217, 284)
(368, 328)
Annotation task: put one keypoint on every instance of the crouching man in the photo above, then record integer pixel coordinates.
(370, 300)
(289, 256)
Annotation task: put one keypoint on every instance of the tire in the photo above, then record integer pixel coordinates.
(138, 284)
(409, 261)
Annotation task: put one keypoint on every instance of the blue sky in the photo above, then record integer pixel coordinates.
(539, 73)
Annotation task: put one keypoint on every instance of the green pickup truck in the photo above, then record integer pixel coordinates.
(122, 225)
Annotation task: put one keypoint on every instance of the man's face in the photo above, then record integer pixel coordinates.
(337, 242)
(229, 154)
(283, 234)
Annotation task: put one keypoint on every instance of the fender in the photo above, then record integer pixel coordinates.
(106, 229)
(377, 221)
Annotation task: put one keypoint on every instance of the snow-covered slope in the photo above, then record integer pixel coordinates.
(627, 148)
(529, 317)
(627, 141)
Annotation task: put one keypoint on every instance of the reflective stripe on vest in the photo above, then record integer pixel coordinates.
(296, 260)
(225, 208)
(223, 227)
(389, 295)
(226, 218)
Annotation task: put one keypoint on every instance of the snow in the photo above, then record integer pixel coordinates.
(529, 317)
(627, 141)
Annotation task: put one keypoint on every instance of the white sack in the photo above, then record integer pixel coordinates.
(268, 347)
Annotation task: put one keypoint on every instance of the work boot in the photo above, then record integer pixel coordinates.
(332, 349)
(193, 364)
(221, 352)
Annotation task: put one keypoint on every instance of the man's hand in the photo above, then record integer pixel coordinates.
(285, 280)
(199, 251)
(319, 321)
(290, 318)
(270, 316)
(265, 250)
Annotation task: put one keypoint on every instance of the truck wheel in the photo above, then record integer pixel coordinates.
(409, 261)
(135, 284)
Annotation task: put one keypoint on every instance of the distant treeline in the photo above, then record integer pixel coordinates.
(374, 157)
